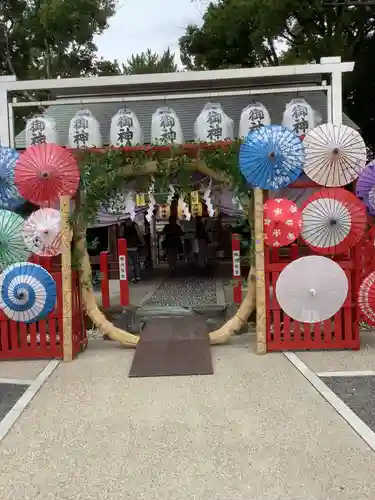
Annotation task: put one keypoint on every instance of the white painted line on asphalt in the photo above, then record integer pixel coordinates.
(14, 414)
(16, 381)
(355, 373)
(342, 409)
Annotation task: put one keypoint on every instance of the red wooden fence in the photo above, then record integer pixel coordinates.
(339, 332)
(44, 339)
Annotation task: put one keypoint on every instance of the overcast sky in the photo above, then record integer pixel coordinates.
(142, 24)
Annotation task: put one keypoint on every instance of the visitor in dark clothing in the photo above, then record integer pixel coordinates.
(134, 238)
(203, 240)
(173, 241)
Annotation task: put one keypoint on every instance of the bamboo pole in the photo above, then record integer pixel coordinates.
(66, 274)
(261, 327)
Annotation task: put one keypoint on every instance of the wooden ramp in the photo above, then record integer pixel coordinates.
(173, 346)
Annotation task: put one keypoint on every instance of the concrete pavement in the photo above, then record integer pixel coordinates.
(255, 430)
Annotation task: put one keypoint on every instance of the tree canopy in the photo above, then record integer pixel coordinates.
(50, 38)
(249, 33)
(150, 62)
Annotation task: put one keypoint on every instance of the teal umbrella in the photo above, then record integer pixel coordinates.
(12, 245)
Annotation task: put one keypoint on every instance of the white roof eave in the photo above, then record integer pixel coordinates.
(187, 78)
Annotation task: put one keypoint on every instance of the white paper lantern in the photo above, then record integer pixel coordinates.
(253, 116)
(84, 131)
(166, 127)
(213, 125)
(125, 129)
(299, 116)
(41, 129)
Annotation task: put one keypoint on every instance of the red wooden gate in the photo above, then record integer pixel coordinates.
(283, 333)
(44, 339)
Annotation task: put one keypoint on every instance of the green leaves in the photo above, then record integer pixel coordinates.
(149, 62)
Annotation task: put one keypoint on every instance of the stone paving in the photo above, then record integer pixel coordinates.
(185, 292)
(358, 393)
(254, 430)
(9, 395)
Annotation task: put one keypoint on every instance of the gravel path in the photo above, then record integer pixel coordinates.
(185, 292)
(256, 430)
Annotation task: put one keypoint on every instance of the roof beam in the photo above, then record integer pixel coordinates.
(172, 78)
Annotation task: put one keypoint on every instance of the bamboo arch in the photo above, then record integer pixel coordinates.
(255, 277)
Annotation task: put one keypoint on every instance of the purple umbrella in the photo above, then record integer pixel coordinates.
(365, 189)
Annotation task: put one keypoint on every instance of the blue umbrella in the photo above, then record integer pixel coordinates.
(271, 157)
(27, 292)
(10, 198)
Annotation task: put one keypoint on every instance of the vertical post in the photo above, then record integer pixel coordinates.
(12, 126)
(104, 279)
(329, 105)
(236, 268)
(122, 249)
(66, 276)
(336, 86)
(4, 122)
(261, 311)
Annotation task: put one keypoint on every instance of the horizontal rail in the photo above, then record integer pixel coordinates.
(168, 97)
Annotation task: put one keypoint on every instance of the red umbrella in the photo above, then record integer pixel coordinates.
(366, 298)
(333, 220)
(282, 222)
(45, 172)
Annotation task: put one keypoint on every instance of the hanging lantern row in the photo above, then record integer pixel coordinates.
(212, 125)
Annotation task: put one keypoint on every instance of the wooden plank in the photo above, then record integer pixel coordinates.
(66, 272)
(169, 347)
(261, 326)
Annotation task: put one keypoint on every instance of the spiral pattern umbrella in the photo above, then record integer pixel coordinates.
(12, 246)
(27, 292)
(45, 172)
(41, 232)
(271, 157)
(335, 155)
(333, 221)
(10, 198)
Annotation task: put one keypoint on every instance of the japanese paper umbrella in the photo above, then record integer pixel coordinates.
(366, 298)
(282, 222)
(365, 187)
(12, 246)
(333, 220)
(335, 155)
(10, 198)
(45, 172)
(271, 157)
(311, 289)
(27, 292)
(41, 232)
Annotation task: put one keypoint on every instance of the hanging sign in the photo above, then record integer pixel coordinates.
(299, 116)
(213, 125)
(253, 116)
(140, 200)
(84, 131)
(194, 197)
(166, 127)
(125, 129)
(41, 129)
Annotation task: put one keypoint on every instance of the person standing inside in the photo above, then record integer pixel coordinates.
(134, 238)
(173, 241)
(202, 238)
